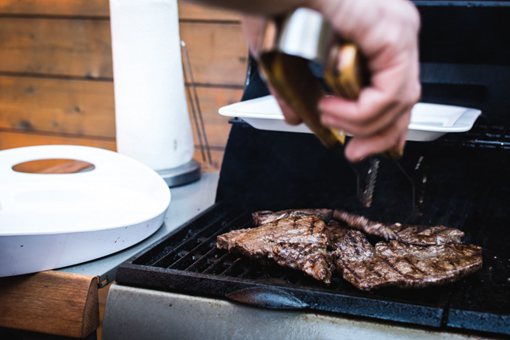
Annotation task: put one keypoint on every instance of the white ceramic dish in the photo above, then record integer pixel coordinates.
(428, 121)
(55, 220)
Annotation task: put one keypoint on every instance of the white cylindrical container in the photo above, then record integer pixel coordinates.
(152, 121)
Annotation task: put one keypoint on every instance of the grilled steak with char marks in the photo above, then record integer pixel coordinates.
(298, 242)
(397, 264)
(266, 216)
(408, 234)
(311, 239)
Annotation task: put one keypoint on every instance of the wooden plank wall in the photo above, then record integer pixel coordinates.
(56, 79)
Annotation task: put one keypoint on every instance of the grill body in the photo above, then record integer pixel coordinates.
(462, 180)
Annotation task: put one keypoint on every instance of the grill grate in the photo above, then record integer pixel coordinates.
(194, 265)
(496, 138)
(188, 261)
(473, 195)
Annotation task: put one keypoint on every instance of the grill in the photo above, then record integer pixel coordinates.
(461, 180)
(188, 262)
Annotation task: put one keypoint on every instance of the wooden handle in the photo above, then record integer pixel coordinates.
(291, 78)
(50, 302)
(346, 74)
(345, 71)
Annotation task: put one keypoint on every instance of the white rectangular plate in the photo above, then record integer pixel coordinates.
(428, 121)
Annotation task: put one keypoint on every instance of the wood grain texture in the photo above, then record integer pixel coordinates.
(50, 302)
(53, 166)
(86, 108)
(55, 7)
(82, 48)
(71, 107)
(51, 49)
(216, 126)
(217, 52)
(100, 8)
(189, 10)
(65, 47)
(13, 139)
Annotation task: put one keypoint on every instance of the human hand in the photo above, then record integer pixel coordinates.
(387, 34)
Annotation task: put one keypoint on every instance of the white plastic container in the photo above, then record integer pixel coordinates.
(55, 220)
(152, 121)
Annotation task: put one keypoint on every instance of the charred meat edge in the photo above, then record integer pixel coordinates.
(409, 234)
(266, 216)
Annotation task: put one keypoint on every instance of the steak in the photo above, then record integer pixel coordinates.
(298, 242)
(335, 232)
(311, 258)
(355, 259)
(431, 265)
(311, 240)
(408, 234)
(266, 216)
(402, 265)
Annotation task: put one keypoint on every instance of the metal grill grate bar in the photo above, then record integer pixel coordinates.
(203, 260)
(212, 266)
(156, 254)
(482, 137)
(183, 248)
(194, 252)
(204, 244)
(230, 269)
(191, 256)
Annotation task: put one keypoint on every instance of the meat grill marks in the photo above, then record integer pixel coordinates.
(266, 216)
(398, 264)
(421, 266)
(408, 234)
(334, 231)
(311, 239)
(311, 258)
(355, 258)
(298, 242)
